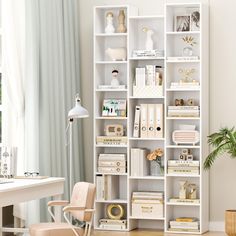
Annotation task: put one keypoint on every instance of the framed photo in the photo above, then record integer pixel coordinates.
(195, 19)
(114, 107)
(182, 23)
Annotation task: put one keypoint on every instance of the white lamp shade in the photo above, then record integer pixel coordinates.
(78, 111)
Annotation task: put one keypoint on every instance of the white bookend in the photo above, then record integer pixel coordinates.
(143, 162)
(100, 187)
(134, 159)
(159, 124)
(143, 121)
(140, 77)
(136, 122)
(151, 121)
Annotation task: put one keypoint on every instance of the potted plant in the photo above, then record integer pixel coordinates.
(223, 141)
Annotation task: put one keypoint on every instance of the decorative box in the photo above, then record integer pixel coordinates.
(148, 91)
(148, 210)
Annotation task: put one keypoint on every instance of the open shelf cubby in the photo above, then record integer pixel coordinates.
(180, 41)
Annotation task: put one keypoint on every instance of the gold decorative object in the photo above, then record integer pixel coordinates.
(186, 75)
(115, 211)
(189, 40)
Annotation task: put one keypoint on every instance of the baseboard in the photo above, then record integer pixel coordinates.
(217, 226)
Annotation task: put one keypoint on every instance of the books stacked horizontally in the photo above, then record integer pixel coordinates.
(187, 224)
(148, 205)
(183, 167)
(187, 200)
(148, 53)
(111, 163)
(183, 58)
(112, 224)
(185, 85)
(183, 111)
(138, 162)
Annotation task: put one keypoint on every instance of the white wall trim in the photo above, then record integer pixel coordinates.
(217, 226)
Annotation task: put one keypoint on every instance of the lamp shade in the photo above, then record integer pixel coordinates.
(78, 111)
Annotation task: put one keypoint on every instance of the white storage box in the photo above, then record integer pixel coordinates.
(148, 91)
(148, 210)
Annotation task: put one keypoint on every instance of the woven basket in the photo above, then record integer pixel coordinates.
(230, 222)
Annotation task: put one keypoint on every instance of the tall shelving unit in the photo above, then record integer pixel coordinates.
(167, 39)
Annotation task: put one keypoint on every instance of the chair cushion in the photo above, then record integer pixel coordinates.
(53, 229)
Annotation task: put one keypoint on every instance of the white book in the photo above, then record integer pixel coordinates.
(100, 187)
(136, 122)
(143, 162)
(183, 163)
(140, 77)
(151, 75)
(134, 157)
(143, 130)
(112, 157)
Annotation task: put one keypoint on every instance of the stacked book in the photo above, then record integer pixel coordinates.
(185, 85)
(111, 163)
(183, 58)
(148, 205)
(183, 111)
(148, 53)
(184, 224)
(183, 167)
(112, 224)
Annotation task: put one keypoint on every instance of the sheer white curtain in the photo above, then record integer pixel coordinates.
(54, 75)
(45, 86)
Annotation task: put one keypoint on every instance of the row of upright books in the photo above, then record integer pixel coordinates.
(187, 224)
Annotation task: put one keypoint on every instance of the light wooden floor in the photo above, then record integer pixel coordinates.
(148, 233)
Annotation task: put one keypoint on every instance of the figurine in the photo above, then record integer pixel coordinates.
(183, 189)
(109, 20)
(149, 41)
(121, 22)
(115, 82)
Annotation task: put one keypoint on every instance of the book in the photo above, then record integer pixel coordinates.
(140, 77)
(100, 187)
(111, 87)
(181, 163)
(112, 170)
(116, 140)
(186, 219)
(134, 163)
(111, 157)
(183, 171)
(111, 187)
(184, 230)
(183, 58)
(143, 163)
(183, 107)
(178, 200)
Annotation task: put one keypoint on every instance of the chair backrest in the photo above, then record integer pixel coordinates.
(83, 195)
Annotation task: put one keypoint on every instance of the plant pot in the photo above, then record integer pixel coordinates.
(230, 222)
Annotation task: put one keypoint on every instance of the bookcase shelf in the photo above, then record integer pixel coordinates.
(171, 58)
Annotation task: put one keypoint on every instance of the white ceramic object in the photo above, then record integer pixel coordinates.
(117, 54)
(149, 41)
(110, 29)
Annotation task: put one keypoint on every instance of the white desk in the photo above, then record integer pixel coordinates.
(23, 190)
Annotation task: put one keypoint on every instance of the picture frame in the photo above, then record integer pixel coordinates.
(195, 19)
(183, 23)
(114, 108)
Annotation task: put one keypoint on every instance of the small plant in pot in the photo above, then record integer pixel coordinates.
(223, 141)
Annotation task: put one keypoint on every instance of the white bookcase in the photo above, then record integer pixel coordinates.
(168, 39)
